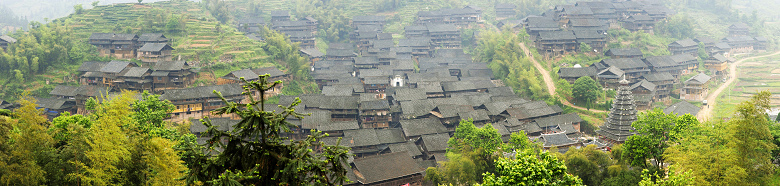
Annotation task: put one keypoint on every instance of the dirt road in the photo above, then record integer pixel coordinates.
(548, 80)
(706, 112)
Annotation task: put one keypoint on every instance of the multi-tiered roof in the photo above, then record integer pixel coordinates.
(618, 128)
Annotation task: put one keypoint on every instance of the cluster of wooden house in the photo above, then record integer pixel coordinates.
(386, 110)
(299, 31)
(150, 48)
(564, 28)
(6, 40)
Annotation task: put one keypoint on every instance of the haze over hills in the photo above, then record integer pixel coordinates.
(38, 10)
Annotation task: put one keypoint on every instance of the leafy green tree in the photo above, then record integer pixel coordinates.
(528, 168)
(586, 89)
(656, 131)
(29, 146)
(78, 9)
(702, 52)
(752, 137)
(588, 163)
(585, 48)
(95, 3)
(564, 89)
(255, 153)
(675, 178)
(173, 24)
(149, 112)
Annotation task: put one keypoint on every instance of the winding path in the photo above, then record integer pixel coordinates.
(706, 112)
(548, 80)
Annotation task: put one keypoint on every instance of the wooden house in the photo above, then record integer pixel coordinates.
(664, 83)
(616, 53)
(292, 26)
(53, 108)
(368, 20)
(421, 47)
(681, 108)
(415, 31)
(333, 54)
(151, 38)
(151, 53)
(375, 114)
(610, 77)
(135, 79)
(639, 22)
(313, 54)
(739, 29)
(396, 168)
(535, 25)
(661, 64)
(250, 25)
(696, 88)
(740, 44)
(342, 108)
(593, 38)
(572, 74)
(644, 94)
(80, 94)
(304, 38)
(505, 10)
(5, 41)
(558, 140)
(685, 46)
(200, 101)
(761, 43)
(569, 13)
(122, 46)
(171, 75)
(280, 15)
(556, 43)
(687, 63)
(633, 67)
(717, 64)
(274, 73)
(591, 24)
(444, 36)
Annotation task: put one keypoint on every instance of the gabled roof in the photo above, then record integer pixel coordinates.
(458, 86)
(505, 6)
(739, 26)
(152, 37)
(375, 105)
(339, 52)
(221, 124)
(700, 78)
(54, 104)
(337, 90)
(684, 43)
(155, 47)
(202, 92)
(644, 84)
(623, 52)
(577, 11)
(280, 13)
(660, 61)
(611, 71)
(408, 94)
(577, 72)
(452, 110)
(313, 52)
(408, 147)
(417, 127)
(416, 42)
(625, 63)
(91, 66)
(655, 77)
(682, 58)
(442, 28)
(384, 167)
(557, 139)
(542, 22)
(719, 58)
(135, 72)
(588, 34)
(557, 35)
(360, 138)
(170, 65)
(477, 115)
(62, 90)
(435, 142)
(589, 22)
(116, 66)
(415, 108)
(8, 39)
(640, 17)
(705, 40)
(390, 136)
(338, 126)
(315, 119)
(553, 121)
(682, 108)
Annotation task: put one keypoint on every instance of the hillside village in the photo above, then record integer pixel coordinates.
(396, 102)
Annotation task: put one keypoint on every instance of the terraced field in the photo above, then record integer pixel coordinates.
(204, 41)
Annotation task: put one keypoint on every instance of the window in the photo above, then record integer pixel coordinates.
(159, 78)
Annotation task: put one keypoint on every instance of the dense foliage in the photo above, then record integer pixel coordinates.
(503, 55)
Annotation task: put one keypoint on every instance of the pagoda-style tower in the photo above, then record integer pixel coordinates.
(618, 128)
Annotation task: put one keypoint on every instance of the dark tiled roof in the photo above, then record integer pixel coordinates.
(313, 52)
(155, 47)
(705, 40)
(114, 66)
(280, 13)
(8, 39)
(684, 43)
(591, 22)
(559, 120)
(135, 72)
(588, 34)
(62, 90)
(557, 35)
(700, 78)
(360, 138)
(501, 91)
(408, 147)
(416, 108)
(577, 72)
(170, 65)
(408, 94)
(339, 52)
(337, 90)
(625, 63)
(682, 108)
(222, 124)
(435, 142)
(54, 104)
(477, 115)
(450, 110)
(91, 66)
(442, 28)
(375, 105)
(680, 58)
(416, 42)
(458, 86)
(558, 139)
(152, 37)
(384, 167)
(390, 136)
(202, 92)
(368, 18)
(317, 118)
(644, 84)
(417, 127)
(624, 52)
(338, 126)
(542, 22)
(655, 77)
(739, 26)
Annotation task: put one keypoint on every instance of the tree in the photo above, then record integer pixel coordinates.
(95, 3)
(173, 24)
(149, 112)
(586, 89)
(528, 168)
(752, 137)
(30, 144)
(703, 52)
(656, 131)
(255, 153)
(588, 163)
(675, 178)
(585, 48)
(139, 1)
(564, 89)
(78, 9)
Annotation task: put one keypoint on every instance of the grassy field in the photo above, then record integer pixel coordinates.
(754, 76)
